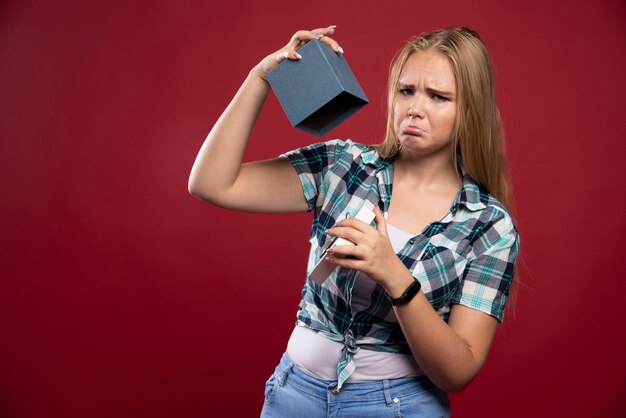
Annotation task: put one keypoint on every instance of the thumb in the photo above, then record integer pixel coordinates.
(381, 224)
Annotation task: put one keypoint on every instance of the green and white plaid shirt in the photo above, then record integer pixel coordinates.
(468, 257)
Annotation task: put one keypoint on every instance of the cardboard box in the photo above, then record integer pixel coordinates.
(319, 91)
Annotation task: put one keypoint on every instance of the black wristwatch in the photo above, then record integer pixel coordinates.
(408, 294)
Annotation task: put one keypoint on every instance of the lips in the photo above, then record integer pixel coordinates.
(412, 130)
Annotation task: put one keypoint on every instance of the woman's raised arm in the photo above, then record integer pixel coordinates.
(218, 175)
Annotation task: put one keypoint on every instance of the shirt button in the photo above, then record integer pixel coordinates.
(396, 400)
(411, 241)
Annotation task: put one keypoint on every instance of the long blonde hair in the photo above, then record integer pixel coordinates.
(477, 134)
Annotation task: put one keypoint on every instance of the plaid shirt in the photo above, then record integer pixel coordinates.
(468, 257)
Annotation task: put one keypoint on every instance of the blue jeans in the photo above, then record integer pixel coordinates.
(292, 393)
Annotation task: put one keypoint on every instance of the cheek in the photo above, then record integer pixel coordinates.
(397, 115)
(447, 120)
(452, 120)
(396, 107)
(396, 120)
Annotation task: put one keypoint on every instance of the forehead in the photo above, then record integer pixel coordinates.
(428, 67)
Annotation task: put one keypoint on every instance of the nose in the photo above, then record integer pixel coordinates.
(416, 107)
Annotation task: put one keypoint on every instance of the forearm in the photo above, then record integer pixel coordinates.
(444, 356)
(451, 353)
(220, 157)
(218, 175)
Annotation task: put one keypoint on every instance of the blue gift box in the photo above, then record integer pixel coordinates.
(319, 91)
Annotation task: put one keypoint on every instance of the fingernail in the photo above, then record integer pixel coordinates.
(340, 49)
(327, 231)
(332, 26)
(319, 35)
(298, 55)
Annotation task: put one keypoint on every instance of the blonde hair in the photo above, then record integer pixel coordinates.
(477, 136)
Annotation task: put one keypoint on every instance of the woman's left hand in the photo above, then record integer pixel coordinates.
(372, 254)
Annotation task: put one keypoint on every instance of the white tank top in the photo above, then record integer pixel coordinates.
(319, 356)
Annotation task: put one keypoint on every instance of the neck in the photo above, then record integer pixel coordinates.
(432, 171)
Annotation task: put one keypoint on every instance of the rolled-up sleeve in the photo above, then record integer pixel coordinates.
(488, 277)
(312, 163)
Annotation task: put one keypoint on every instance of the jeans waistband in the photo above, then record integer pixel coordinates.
(375, 390)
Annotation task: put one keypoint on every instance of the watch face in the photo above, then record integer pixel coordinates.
(408, 294)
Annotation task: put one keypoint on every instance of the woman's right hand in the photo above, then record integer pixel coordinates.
(290, 51)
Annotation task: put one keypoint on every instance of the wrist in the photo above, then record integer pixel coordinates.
(408, 294)
(403, 288)
(398, 280)
(259, 75)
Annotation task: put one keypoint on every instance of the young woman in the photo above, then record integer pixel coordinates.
(412, 310)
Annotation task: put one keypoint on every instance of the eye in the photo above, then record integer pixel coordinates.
(439, 98)
(406, 92)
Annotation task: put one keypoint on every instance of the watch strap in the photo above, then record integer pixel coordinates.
(408, 294)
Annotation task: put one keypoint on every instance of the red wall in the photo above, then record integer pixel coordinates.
(123, 296)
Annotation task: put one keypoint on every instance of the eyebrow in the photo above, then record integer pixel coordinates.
(429, 89)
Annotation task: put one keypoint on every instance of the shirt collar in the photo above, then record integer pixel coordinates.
(469, 195)
(371, 157)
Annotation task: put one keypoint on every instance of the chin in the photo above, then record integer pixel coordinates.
(412, 142)
(417, 148)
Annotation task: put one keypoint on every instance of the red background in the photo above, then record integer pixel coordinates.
(123, 296)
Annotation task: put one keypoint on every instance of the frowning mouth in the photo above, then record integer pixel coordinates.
(412, 130)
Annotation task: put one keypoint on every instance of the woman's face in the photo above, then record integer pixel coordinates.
(425, 104)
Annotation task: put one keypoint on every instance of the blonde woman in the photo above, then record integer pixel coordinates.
(412, 311)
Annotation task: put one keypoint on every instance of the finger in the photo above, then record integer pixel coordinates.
(353, 251)
(332, 43)
(351, 234)
(329, 30)
(356, 224)
(281, 55)
(298, 40)
(291, 54)
(381, 223)
(303, 36)
(350, 263)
